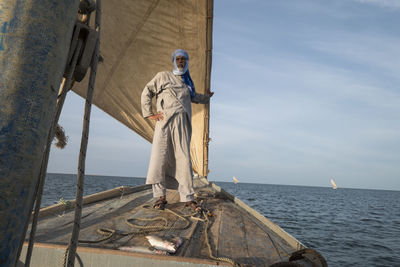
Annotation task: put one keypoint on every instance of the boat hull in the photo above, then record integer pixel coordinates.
(234, 230)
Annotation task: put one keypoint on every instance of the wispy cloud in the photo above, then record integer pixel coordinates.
(366, 49)
(304, 81)
(383, 3)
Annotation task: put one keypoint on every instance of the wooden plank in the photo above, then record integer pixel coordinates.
(267, 224)
(52, 255)
(263, 250)
(214, 228)
(195, 243)
(231, 228)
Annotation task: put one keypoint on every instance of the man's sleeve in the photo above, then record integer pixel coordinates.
(148, 93)
(200, 99)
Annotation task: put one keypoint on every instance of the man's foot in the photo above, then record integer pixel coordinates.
(160, 203)
(194, 206)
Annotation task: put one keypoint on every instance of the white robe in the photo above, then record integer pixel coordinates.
(170, 161)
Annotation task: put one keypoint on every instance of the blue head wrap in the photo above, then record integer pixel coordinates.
(185, 71)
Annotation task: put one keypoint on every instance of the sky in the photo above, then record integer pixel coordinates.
(305, 91)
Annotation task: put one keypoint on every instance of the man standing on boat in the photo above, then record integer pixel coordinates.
(170, 164)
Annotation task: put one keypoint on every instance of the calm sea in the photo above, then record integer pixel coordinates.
(350, 227)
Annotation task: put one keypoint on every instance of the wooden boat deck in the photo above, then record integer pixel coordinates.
(233, 231)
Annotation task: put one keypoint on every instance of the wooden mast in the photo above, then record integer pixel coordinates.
(206, 139)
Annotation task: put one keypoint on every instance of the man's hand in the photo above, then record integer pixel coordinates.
(157, 117)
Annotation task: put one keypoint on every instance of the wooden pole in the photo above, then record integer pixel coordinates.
(207, 83)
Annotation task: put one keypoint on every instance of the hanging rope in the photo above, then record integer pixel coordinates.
(65, 86)
(71, 250)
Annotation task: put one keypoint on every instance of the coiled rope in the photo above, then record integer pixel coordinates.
(156, 228)
(143, 229)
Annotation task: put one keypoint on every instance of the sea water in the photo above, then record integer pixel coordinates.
(349, 227)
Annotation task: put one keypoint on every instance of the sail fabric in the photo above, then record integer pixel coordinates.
(334, 186)
(137, 39)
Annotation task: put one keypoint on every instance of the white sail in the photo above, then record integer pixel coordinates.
(334, 186)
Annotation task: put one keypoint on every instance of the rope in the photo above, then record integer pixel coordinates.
(84, 142)
(156, 228)
(143, 229)
(65, 256)
(108, 233)
(225, 259)
(65, 86)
